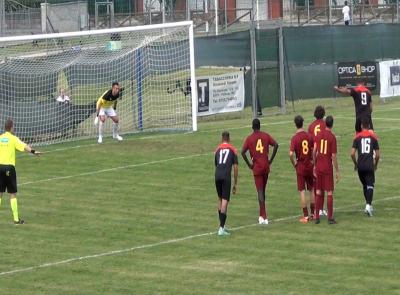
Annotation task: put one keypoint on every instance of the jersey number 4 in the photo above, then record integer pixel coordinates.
(259, 146)
(365, 145)
(223, 156)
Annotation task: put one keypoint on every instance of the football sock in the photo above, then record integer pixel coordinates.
(14, 208)
(330, 206)
(369, 194)
(115, 129)
(312, 208)
(263, 213)
(101, 125)
(318, 198)
(219, 215)
(222, 220)
(365, 193)
(322, 200)
(305, 212)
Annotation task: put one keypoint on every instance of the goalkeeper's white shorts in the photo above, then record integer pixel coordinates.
(109, 112)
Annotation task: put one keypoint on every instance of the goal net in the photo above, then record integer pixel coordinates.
(154, 65)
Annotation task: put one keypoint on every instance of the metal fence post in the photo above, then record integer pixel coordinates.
(282, 72)
(2, 18)
(253, 56)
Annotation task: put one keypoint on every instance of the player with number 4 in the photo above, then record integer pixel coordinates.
(362, 102)
(258, 144)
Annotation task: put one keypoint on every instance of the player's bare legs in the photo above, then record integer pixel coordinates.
(102, 119)
(115, 127)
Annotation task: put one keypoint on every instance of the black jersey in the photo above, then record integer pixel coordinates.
(365, 142)
(362, 100)
(225, 158)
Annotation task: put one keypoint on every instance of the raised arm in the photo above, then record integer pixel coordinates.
(342, 90)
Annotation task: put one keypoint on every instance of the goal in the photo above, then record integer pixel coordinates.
(154, 64)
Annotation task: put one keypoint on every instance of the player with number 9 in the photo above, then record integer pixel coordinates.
(225, 158)
(258, 144)
(301, 146)
(362, 102)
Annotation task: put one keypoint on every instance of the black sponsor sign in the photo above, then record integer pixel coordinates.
(394, 75)
(203, 94)
(351, 73)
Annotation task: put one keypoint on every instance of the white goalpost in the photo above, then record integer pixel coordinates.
(154, 64)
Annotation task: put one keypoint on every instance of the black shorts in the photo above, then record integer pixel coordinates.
(8, 179)
(367, 177)
(223, 187)
(358, 123)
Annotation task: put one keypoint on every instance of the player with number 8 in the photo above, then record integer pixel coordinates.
(258, 144)
(300, 154)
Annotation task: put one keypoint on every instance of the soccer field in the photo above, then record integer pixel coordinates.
(139, 217)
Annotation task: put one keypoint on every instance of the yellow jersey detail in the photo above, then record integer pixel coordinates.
(8, 144)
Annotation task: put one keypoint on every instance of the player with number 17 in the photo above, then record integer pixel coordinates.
(258, 144)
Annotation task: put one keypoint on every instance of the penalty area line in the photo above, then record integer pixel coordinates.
(153, 245)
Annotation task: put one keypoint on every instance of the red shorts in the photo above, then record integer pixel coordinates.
(261, 181)
(305, 182)
(324, 182)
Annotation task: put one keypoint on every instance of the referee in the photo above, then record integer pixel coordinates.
(8, 177)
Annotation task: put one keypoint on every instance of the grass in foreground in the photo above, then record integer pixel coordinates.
(162, 188)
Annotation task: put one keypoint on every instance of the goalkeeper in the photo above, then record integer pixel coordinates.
(105, 107)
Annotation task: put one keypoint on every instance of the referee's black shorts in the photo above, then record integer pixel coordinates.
(8, 179)
(223, 187)
(367, 177)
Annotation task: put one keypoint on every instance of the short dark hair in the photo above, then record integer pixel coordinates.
(345, 2)
(8, 125)
(319, 112)
(115, 83)
(329, 121)
(365, 122)
(298, 120)
(256, 125)
(225, 135)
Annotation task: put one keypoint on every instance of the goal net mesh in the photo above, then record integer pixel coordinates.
(151, 64)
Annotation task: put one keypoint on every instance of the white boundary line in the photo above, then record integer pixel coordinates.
(113, 169)
(153, 245)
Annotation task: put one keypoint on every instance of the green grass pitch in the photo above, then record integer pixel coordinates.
(139, 217)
